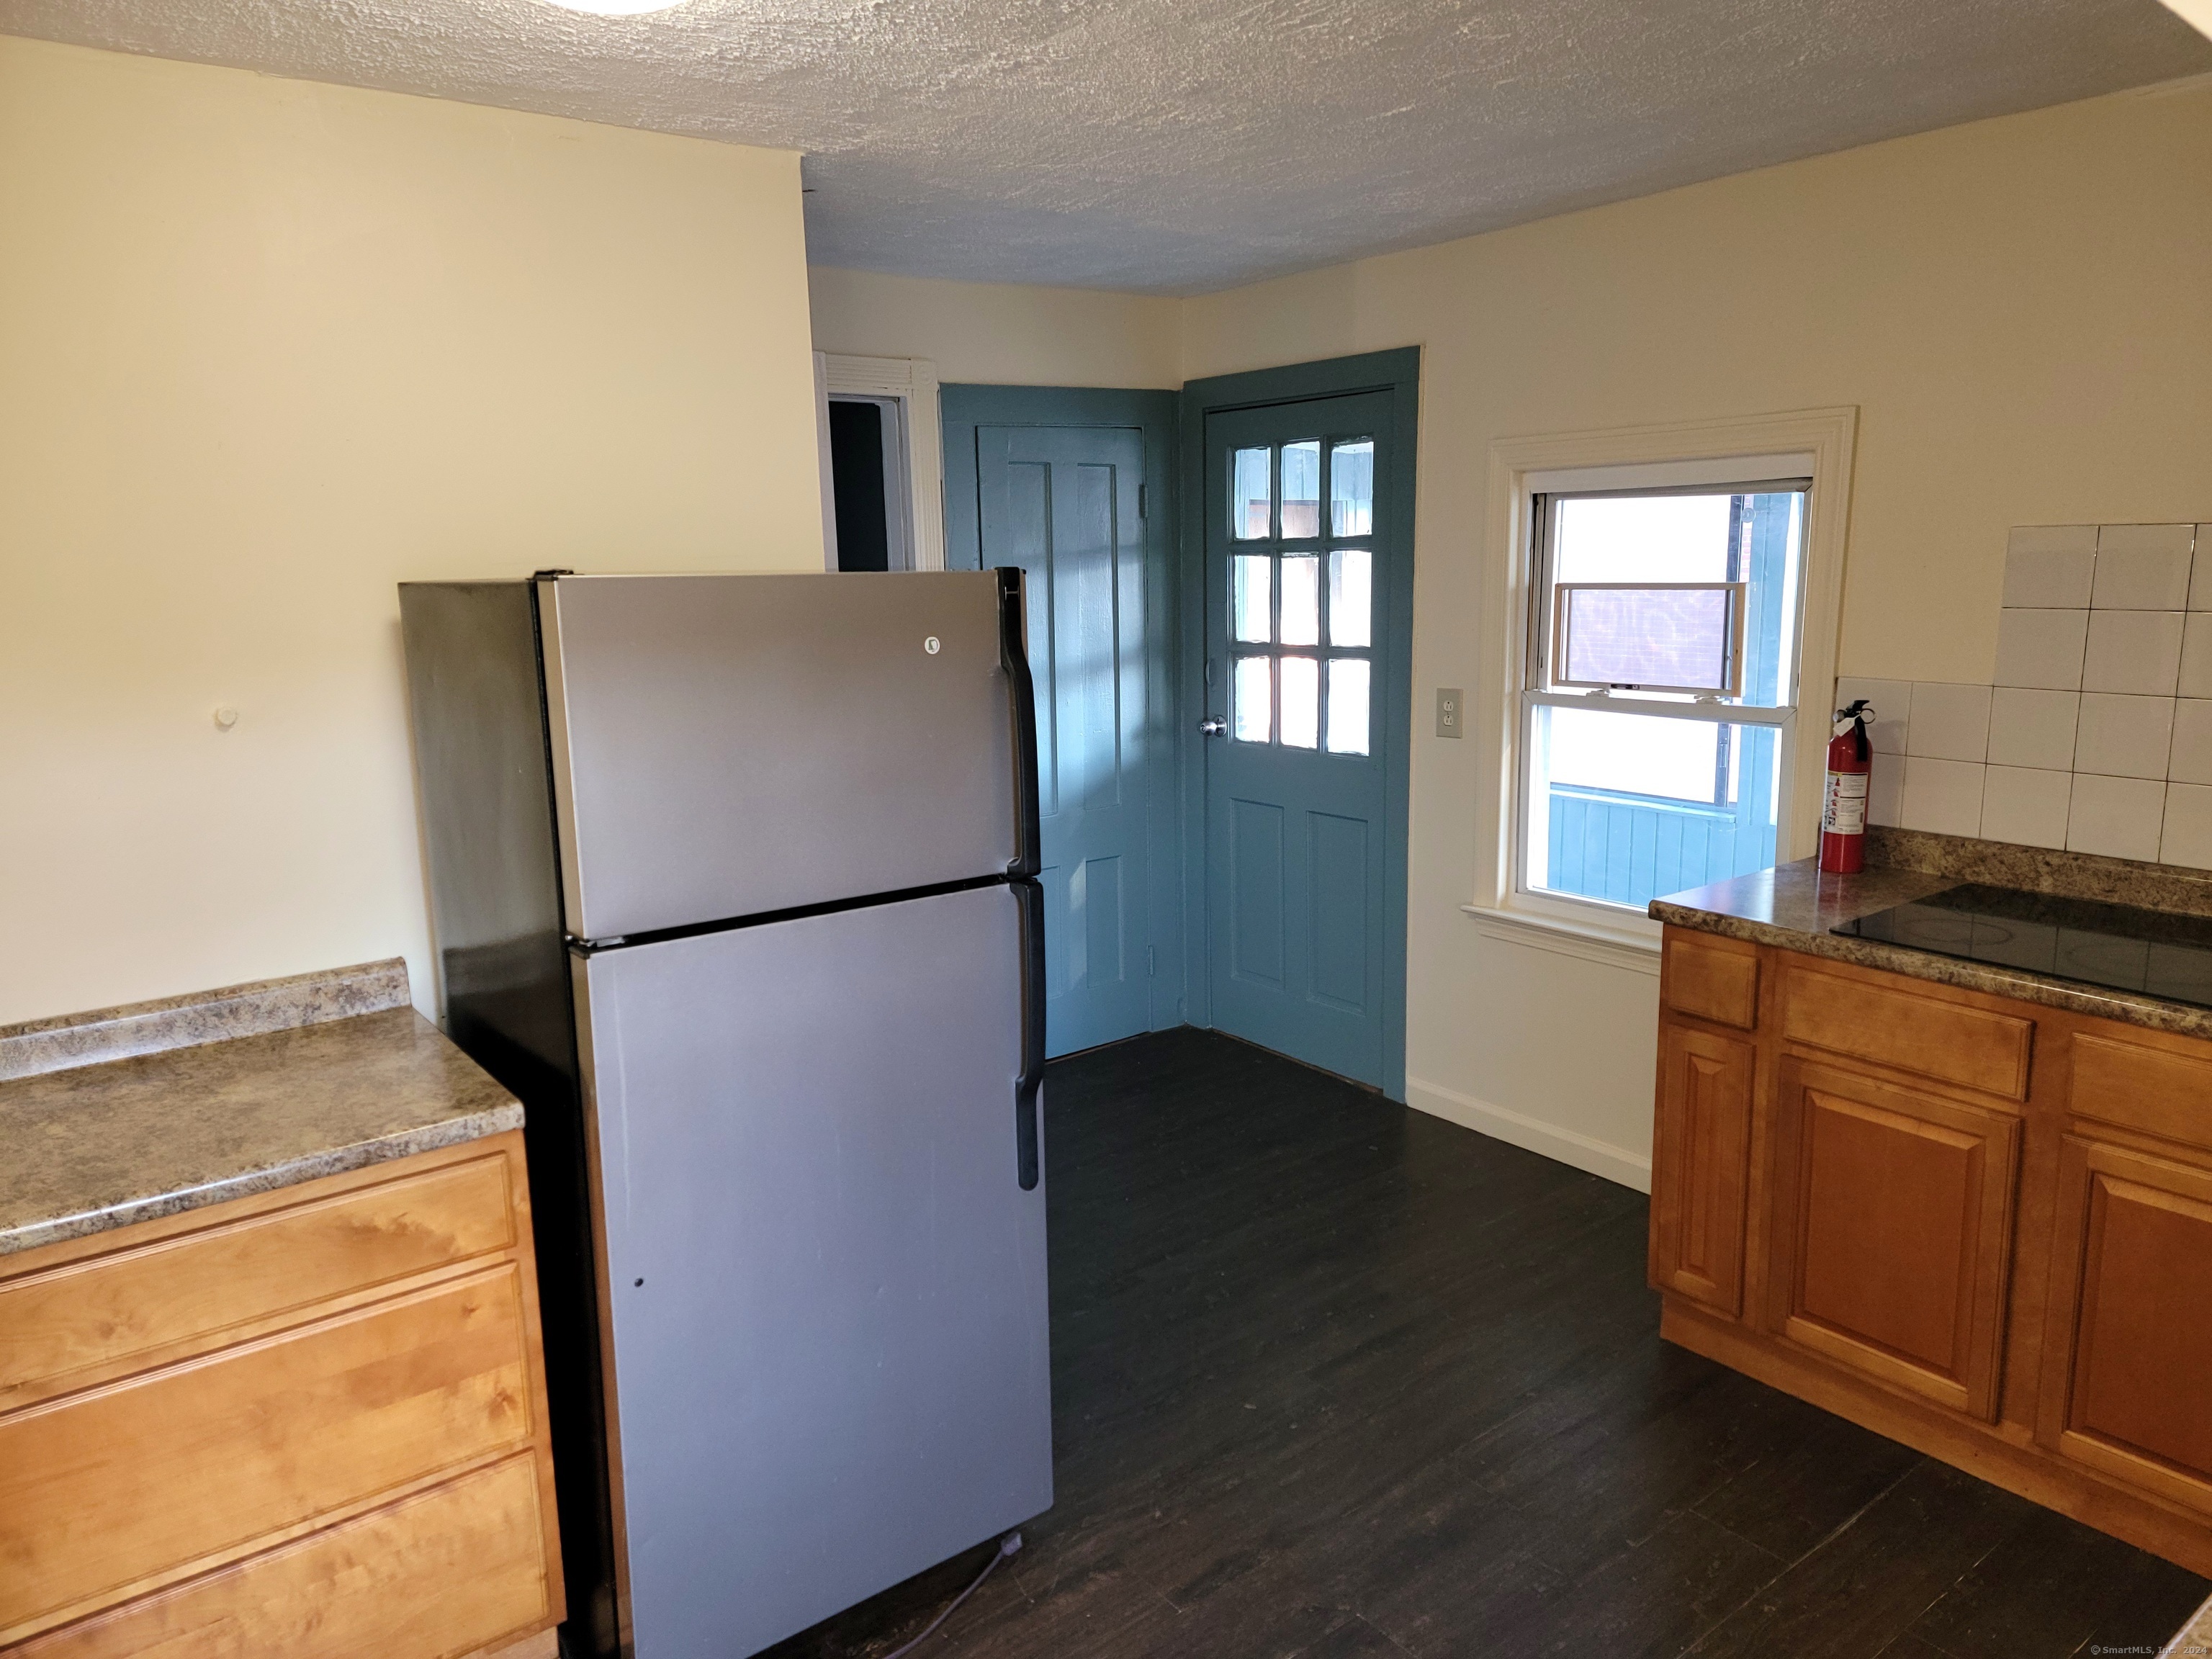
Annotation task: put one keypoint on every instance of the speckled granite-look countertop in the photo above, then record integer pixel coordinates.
(129, 1114)
(1794, 906)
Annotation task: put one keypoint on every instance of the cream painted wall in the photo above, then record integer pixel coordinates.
(1001, 334)
(268, 348)
(2020, 308)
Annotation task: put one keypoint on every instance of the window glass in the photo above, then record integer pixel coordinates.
(1347, 705)
(1352, 487)
(1351, 596)
(1252, 700)
(1252, 601)
(1251, 498)
(1302, 600)
(1302, 490)
(1631, 754)
(1301, 702)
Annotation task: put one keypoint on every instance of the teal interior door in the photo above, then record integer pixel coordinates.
(1066, 505)
(1302, 667)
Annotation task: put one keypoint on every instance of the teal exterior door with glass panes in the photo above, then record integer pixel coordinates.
(1296, 648)
(1662, 652)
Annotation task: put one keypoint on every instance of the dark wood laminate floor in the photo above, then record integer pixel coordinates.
(1332, 1377)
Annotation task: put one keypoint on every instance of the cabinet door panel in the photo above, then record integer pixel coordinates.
(2132, 1276)
(1700, 1161)
(1896, 1221)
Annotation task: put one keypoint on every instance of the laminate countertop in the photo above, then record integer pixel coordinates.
(129, 1114)
(1794, 906)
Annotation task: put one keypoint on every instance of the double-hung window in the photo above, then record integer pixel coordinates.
(1659, 689)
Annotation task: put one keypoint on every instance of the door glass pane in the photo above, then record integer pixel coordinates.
(1351, 596)
(1252, 699)
(1301, 488)
(1301, 702)
(1252, 625)
(1352, 487)
(1250, 500)
(1347, 705)
(1302, 601)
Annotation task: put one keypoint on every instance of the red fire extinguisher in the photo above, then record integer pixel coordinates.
(1843, 805)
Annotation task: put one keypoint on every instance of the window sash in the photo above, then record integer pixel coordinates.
(1545, 651)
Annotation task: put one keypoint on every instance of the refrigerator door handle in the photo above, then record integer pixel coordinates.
(1021, 692)
(1030, 898)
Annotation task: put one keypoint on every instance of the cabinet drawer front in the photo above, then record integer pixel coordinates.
(183, 1292)
(1909, 1030)
(1715, 979)
(2136, 1246)
(126, 1486)
(2139, 1087)
(447, 1572)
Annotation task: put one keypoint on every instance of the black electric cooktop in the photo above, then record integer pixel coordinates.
(2115, 945)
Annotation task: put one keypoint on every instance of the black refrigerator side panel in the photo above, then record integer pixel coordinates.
(482, 772)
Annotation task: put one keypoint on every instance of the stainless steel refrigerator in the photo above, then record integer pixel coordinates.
(732, 881)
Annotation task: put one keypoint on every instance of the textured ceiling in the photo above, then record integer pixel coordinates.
(1175, 146)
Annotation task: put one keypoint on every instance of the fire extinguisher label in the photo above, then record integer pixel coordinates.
(1845, 813)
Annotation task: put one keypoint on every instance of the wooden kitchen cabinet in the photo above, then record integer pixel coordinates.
(1978, 1225)
(1702, 1143)
(1892, 1207)
(311, 1423)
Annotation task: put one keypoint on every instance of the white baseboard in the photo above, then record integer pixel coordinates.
(1599, 1158)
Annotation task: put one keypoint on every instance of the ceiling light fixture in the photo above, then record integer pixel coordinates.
(616, 7)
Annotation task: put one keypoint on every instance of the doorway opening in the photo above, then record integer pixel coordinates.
(867, 483)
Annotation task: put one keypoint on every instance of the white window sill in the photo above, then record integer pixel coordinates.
(1636, 949)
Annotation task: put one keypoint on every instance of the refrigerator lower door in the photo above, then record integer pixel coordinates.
(825, 1282)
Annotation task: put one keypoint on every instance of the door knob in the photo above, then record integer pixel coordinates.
(1213, 726)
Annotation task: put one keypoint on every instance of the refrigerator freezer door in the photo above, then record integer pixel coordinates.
(826, 1282)
(729, 746)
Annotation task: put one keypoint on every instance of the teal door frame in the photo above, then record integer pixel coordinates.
(964, 409)
(1398, 373)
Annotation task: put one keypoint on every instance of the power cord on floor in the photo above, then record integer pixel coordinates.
(1007, 1545)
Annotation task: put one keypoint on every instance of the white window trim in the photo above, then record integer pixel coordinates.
(1815, 443)
(912, 382)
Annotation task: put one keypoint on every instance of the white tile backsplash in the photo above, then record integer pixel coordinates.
(2042, 649)
(2123, 736)
(2137, 651)
(2196, 654)
(1893, 704)
(2096, 734)
(2033, 728)
(2143, 567)
(2191, 759)
(2026, 807)
(1949, 722)
(2120, 817)
(2050, 566)
(1886, 791)
(1944, 796)
(2187, 837)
